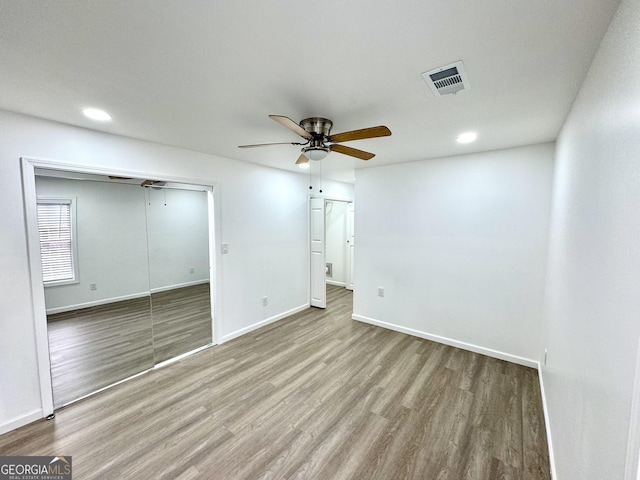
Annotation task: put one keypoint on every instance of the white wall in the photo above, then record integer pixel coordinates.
(459, 245)
(178, 237)
(336, 238)
(111, 239)
(593, 291)
(262, 215)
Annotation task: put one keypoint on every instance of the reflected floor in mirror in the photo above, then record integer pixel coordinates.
(94, 347)
(313, 396)
(181, 320)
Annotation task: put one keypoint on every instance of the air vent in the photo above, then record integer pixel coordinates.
(447, 80)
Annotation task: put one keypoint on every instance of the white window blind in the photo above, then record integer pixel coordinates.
(56, 240)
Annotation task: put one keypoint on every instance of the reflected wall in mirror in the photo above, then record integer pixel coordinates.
(178, 239)
(139, 292)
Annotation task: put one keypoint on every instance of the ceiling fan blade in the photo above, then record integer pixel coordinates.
(302, 159)
(352, 152)
(147, 183)
(268, 144)
(372, 132)
(291, 125)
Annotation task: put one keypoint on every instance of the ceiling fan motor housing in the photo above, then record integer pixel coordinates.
(320, 128)
(317, 126)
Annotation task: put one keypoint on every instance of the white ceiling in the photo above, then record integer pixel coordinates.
(204, 74)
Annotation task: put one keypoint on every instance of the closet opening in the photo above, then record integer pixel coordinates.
(123, 275)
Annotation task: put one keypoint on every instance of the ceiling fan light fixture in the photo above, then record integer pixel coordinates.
(316, 153)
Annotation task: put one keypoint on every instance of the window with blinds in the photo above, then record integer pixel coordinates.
(55, 225)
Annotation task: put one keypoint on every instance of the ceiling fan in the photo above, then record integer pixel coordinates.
(319, 141)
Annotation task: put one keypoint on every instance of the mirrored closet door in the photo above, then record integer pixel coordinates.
(178, 246)
(126, 272)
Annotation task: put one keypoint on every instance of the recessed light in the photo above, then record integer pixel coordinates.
(96, 114)
(467, 137)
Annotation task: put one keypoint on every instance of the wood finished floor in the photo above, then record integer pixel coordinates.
(181, 320)
(91, 348)
(314, 396)
(94, 347)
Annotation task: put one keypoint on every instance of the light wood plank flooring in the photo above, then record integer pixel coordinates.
(94, 347)
(91, 348)
(181, 320)
(314, 396)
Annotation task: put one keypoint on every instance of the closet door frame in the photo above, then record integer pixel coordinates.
(29, 166)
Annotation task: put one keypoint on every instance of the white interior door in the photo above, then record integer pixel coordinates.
(318, 277)
(351, 244)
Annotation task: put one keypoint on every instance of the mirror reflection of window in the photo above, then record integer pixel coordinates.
(56, 229)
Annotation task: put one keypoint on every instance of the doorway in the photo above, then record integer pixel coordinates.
(101, 328)
(332, 246)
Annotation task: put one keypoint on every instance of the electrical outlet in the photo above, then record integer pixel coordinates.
(192, 270)
(381, 291)
(265, 301)
(93, 286)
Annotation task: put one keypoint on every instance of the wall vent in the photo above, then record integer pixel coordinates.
(447, 80)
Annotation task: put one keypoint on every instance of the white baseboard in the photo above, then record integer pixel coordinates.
(337, 284)
(449, 341)
(179, 285)
(262, 323)
(106, 301)
(547, 424)
(21, 421)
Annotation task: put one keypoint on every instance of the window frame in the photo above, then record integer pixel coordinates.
(71, 201)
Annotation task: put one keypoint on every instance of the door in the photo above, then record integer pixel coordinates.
(318, 281)
(351, 244)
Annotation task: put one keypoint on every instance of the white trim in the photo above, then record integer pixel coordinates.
(182, 356)
(632, 462)
(179, 285)
(337, 284)
(547, 423)
(37, 286)
(21, 421)
(29, 164)
(449, 341)
(263, 323)
(96, 303)
(329, 197)
(215, 261)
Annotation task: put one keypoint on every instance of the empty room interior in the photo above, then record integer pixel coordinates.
(321, 240)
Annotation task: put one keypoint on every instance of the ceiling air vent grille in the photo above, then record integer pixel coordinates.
(447, 80)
